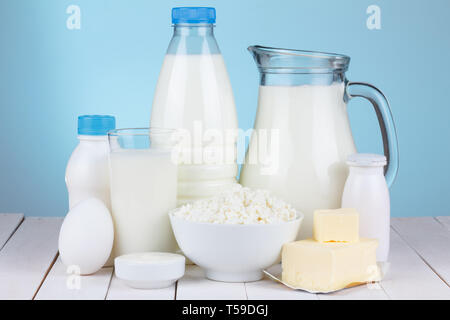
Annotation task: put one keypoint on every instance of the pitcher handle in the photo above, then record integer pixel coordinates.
(385, 120)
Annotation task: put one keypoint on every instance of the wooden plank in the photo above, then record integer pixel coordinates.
(8, 224)
(194, 286)
(430, 239)
(120, 291)
(267, 289)
(445, 221)
(27, 256)
(63, 285)
(408, 276)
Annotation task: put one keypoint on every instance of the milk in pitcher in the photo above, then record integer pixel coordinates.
(302, 108)
(311, 170)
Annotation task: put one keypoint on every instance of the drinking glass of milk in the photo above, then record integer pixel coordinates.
(143, 189)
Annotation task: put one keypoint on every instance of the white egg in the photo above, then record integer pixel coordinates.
(86, 236)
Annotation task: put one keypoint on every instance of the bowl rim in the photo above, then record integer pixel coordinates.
(299, 218)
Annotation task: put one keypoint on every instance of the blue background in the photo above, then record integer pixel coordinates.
(49, 75)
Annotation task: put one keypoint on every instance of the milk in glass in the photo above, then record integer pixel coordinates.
(143, 191)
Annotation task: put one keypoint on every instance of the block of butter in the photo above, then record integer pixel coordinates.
(339, 225)
(326, 267)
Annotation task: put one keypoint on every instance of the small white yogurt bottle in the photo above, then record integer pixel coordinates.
(87, 172)
(366, 190)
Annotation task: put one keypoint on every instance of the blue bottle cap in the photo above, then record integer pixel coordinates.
(193, 15)
(95, 125)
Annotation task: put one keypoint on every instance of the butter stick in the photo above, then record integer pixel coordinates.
(325, 267)
(339, 225)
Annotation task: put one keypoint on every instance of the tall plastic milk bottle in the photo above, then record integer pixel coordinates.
(194, 95)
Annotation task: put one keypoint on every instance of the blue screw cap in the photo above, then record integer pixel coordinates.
(193, 15)
(95, 125)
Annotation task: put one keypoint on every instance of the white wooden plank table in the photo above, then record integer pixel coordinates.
(194, 286)
(27, 257)
(435, 250)
(120, 291)
(61, 285)
(419, 268)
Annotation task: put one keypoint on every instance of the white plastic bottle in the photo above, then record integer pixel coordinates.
(194, 95)
(366, 191)
(87, 172)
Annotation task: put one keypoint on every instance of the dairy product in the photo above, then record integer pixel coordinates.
(143, 191)
(149, 270)
(307, 165)
(198, 87)
(340, 225)
(87, 172)
(194, 93)
(335, 259)
(367, 191)
(325, 267)
(238, 205)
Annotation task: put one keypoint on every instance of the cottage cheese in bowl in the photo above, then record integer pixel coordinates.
(238, 205)
(237, 234)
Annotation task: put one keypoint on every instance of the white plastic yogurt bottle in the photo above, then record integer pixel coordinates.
(366, 191)
(194, 95)
(87, 172)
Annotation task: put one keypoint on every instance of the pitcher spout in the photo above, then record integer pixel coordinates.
(254, 51)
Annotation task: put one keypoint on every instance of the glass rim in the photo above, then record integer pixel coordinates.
(143, 131)
(307, 60)
(302, 53)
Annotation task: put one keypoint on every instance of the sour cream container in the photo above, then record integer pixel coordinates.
(149, 270)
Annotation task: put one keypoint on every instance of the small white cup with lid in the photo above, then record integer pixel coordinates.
(150, 270)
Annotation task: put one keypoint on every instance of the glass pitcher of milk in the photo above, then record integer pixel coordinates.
(194, 95)
(302, 134)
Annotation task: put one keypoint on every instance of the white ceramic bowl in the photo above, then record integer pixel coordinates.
(234, 252)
